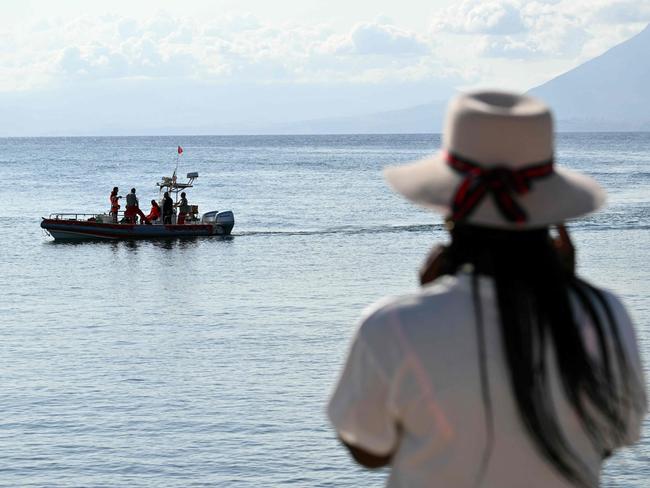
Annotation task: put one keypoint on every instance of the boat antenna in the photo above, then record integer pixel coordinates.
(179, 151)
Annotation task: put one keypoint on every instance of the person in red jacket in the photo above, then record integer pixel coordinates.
(154, 213)
(133, 209)
(115, 203)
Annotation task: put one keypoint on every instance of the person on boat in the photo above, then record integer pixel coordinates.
(183, 208)
(167, 208)
(154, 213)
(115, 203)
(506, 368)
(133, 208)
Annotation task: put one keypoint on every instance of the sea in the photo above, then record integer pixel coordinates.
(208, 362)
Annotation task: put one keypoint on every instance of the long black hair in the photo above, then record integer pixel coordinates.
(535, 289)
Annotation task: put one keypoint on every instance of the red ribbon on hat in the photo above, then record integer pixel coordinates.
(500, 182)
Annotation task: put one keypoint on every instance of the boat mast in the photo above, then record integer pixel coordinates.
(172, 185)
(179, 151)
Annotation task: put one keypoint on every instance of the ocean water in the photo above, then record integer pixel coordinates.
(208, 362)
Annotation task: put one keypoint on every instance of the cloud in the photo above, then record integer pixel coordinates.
(229, 49)
(137, 58)
(127, 28)
(160, 26)
(72, 62)
(382, 39)
(550, 35)
(622, 12)
(498, 17)
(507, 47)
(463, 43)
(517, 29)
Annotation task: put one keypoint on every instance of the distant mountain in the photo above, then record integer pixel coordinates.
(610, 92)
(183, 106)
(425, 118)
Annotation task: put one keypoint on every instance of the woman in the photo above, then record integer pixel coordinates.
(507, 370)
(154, 213)
(115, 203)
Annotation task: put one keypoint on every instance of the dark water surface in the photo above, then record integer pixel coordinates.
(209, 362)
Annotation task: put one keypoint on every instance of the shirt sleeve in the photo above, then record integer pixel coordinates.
(358, 408)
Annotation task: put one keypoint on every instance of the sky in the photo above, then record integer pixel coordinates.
(70, 66)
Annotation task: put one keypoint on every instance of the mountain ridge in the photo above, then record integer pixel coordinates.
(608, 92)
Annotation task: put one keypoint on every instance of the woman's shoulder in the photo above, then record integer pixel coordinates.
(623, 321)
(603, 297)
(438, 296)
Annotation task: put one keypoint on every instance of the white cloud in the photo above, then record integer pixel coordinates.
(520, 29)
(229, 49)
(382, 39)
(72, 62)
(507, 47)
(500, 17)
(135, 58)
(463, 44)
(622, 11)
(128, 28)
(160, 26)
(550, 34)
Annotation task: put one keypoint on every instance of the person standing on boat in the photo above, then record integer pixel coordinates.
(133, 208)
(508, 369)
(115, 203)
(183, 208)
(154, 213)
(167, 208)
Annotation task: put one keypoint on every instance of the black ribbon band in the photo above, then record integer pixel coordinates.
(500, 182)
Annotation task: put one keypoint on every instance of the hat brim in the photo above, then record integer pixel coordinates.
(563, 195)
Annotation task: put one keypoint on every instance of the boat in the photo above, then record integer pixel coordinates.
(80, 226)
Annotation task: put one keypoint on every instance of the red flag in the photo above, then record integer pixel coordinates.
(180, 150)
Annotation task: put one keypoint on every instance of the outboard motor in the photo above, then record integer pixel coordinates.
(223, 222)
(209, 217)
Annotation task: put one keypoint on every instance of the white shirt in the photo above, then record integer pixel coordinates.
(415, 363)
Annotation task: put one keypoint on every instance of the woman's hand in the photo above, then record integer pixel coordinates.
(436, 264)
(565, 248)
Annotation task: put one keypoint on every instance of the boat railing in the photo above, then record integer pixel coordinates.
(78, 216)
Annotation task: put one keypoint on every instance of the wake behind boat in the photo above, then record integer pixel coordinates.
(122, 225)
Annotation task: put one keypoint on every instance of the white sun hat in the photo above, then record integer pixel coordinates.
(496, 167)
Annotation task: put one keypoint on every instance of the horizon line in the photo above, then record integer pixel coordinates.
(303, 134)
